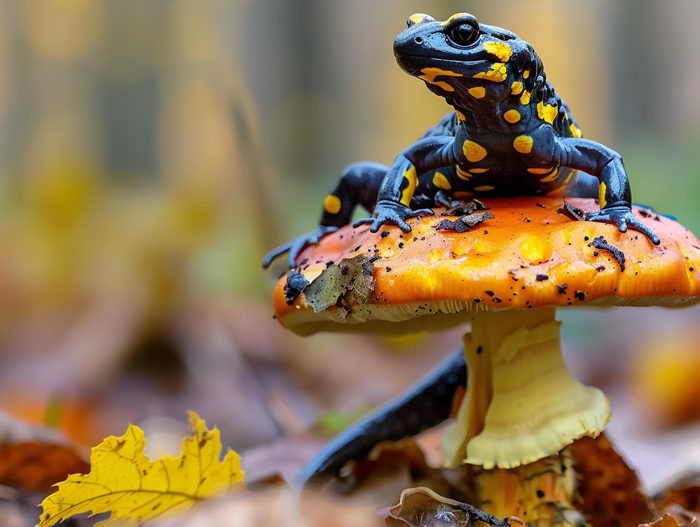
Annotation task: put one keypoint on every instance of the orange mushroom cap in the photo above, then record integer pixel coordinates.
(530, 254)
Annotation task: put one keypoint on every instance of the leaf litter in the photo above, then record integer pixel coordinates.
(123, 481)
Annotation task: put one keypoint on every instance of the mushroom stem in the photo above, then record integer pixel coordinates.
(540, 493)
(522, 403)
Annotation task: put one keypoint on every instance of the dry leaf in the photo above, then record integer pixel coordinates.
(681, 501)
(135, 489)
(36, 466)
(684, 492)
(610, 491)
(668, 520)
(422, 507)
(390, 456)
(350, 282)
(33, 458)
(389, 468)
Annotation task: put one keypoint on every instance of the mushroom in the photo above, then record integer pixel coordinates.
(504, 272)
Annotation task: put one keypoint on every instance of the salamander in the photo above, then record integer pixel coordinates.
(509, 135)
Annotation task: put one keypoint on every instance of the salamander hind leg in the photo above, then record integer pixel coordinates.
(358, 185)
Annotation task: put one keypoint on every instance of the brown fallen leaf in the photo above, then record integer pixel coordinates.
(684, 492)
(37, 466)
(33, 458)
(388, 469)
(609, 489)
(390, 456)
(668, 520)
(681, 500)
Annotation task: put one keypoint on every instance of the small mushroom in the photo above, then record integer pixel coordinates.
(504, 276)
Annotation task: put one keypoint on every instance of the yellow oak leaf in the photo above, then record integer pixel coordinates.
(136, 490)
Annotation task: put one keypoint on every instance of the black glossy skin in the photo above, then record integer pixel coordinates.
(509, 135)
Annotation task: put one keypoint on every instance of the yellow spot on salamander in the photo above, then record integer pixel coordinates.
(575, 132)
(460, 115)
(478, 93)
(551, 177)
(568, 178)
(497, 73)
(417, 18)
(452, 18)
(525, 98)
(467, 175)
(332, 204)
(473, 151)
(501, 50)
(526, 74)
(512, 116)
(462, 174)
(412, 178)
(429, 75)
(547, 112)
(539, 171)
(484, 188)
(516, 88)
(601, 194)
(523, 144)
(566, 115)
(440, 181)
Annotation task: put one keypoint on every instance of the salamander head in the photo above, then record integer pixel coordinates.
(462, 60)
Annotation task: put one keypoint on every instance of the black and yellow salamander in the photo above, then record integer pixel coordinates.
(510, 134)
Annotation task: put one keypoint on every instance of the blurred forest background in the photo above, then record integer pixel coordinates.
(151, 152)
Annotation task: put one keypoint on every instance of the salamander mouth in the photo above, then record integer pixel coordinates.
(413, 64)
(401, 56)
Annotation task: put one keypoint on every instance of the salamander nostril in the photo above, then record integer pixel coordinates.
(418, 40)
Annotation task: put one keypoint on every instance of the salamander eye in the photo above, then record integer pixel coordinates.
(463, 34)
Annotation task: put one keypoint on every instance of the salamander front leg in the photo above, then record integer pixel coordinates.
(623, 218)
(391, 212)
(396, 192)
(614, 196)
